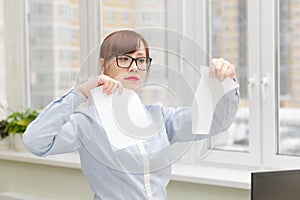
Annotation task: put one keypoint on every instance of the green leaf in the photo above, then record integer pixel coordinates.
(17, 122)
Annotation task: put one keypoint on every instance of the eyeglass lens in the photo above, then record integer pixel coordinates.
(126, 61)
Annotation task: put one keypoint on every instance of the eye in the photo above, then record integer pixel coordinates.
(142, 60)
(123, 58)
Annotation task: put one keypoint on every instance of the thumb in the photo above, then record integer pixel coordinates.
(101, 80)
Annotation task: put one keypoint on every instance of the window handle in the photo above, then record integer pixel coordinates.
(265, 81)
(252, 81)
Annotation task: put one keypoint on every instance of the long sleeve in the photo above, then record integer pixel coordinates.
(178, 121)
(54, 131)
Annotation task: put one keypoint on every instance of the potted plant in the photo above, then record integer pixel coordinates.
(4, 139)
(17, 124)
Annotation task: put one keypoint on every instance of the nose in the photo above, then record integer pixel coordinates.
(133, 67)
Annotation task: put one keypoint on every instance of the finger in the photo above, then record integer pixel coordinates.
(219, 63)
(110, 89)
(106, 85)
(218, 70)
(120, 87)
(213, 62)
(114, 87)
(230, 72)
(225, 68)
(100, 80)
(212, 67)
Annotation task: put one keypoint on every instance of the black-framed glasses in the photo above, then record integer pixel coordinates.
(125, 61)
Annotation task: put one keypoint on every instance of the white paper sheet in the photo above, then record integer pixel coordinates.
(124, 118)
(208, 94)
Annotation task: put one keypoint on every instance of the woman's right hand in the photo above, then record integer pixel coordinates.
(109, 85)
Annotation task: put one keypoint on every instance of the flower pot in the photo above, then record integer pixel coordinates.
(18, 145)
(5, 143)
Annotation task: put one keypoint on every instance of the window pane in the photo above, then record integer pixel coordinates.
(229, 40)
(54, 47)
(289, 72)
(2, 57)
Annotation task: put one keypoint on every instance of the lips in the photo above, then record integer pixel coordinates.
(132, 78)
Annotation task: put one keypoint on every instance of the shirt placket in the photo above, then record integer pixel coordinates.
(146, 171)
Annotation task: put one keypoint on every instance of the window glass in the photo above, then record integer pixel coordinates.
(54, 48)
(229, 40)
(289, 78)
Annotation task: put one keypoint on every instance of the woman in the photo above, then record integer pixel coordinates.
(140, 171)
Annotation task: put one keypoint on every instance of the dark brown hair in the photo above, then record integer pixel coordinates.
(121, 42)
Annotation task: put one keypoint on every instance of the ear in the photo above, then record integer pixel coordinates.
(101, 65)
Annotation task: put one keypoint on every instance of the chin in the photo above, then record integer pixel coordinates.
(132, 86)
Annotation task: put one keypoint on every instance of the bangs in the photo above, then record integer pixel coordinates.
(125, 44)
(122, 42)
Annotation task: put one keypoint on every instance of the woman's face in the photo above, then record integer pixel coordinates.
(131, 77)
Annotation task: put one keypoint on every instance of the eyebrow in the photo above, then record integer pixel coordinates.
(141, 54)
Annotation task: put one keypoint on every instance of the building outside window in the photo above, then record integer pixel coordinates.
(229, 40)
(54, 46)
(289, 108)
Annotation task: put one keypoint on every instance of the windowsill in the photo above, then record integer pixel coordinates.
(70, 160)
(224, 177)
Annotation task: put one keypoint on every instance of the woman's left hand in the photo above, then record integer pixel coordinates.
(221, 69)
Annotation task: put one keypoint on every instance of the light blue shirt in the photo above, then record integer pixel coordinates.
(137, 172)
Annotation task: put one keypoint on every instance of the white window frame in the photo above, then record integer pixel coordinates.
(15, 33)
(270, 61)
(253, 157)
(192, 21)
(90, 26)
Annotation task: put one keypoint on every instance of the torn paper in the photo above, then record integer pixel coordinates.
(124, 118)
(208, 94)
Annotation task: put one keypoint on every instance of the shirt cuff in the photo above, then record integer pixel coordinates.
(75, 96)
